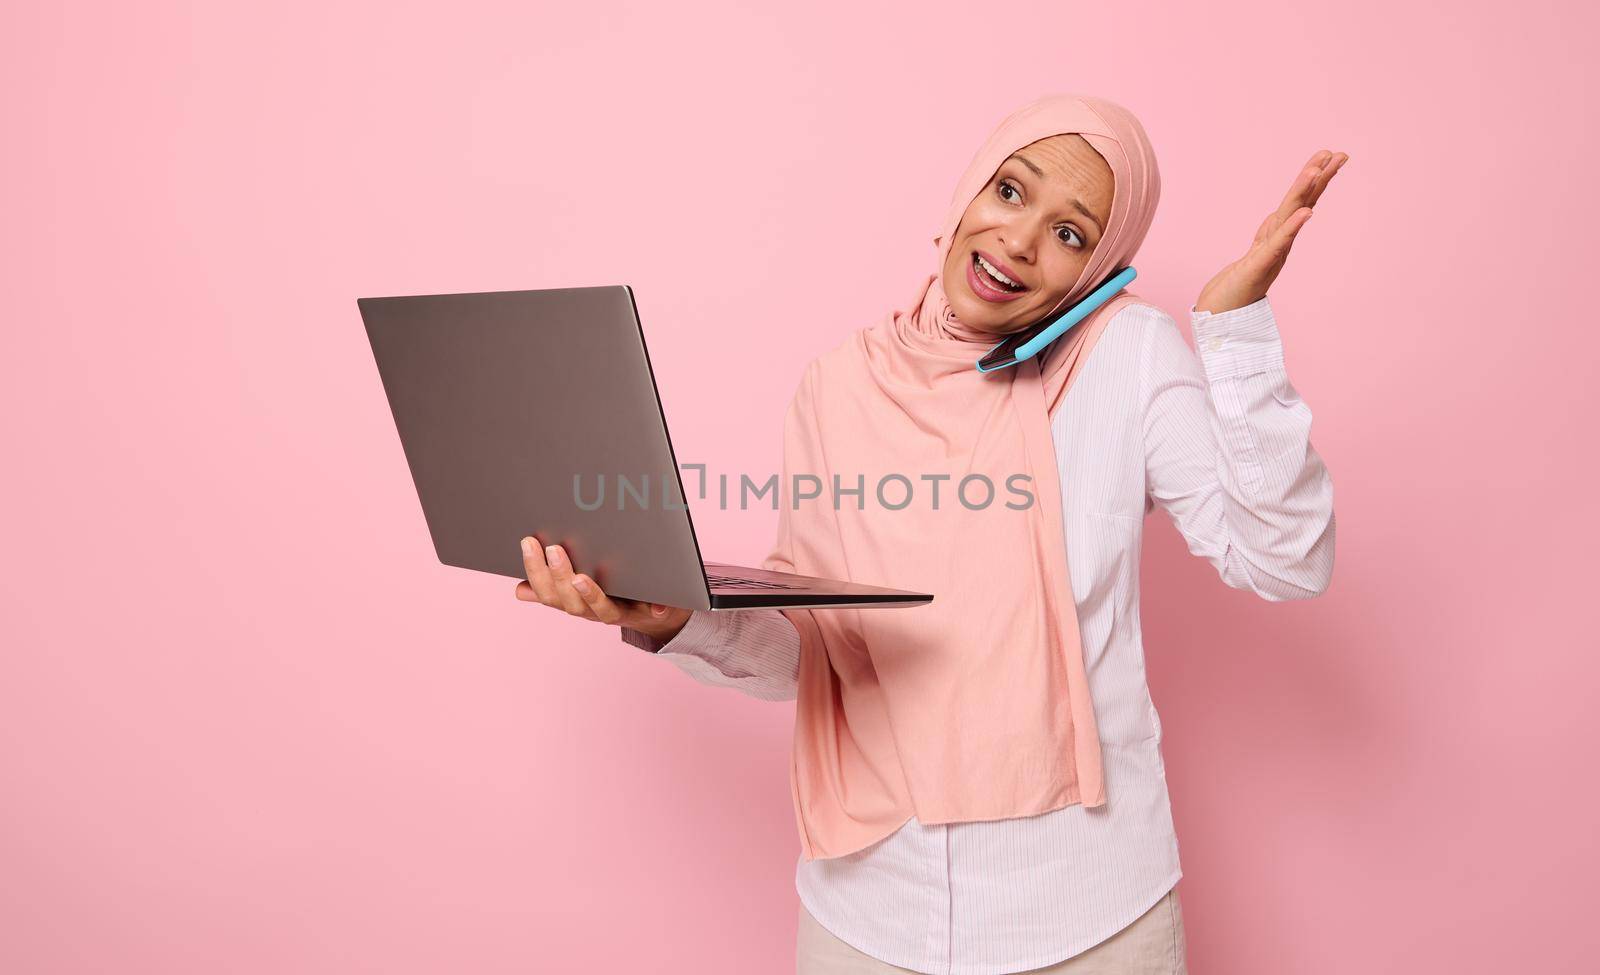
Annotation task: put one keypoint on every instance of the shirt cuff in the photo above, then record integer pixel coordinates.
(693, 635)
(1237, 342)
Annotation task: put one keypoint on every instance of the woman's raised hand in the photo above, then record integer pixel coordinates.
(1246, 280)
(552, 582)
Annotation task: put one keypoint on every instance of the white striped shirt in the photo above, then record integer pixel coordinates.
(1222, 444)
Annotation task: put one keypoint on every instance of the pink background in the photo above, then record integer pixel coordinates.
(249, 725)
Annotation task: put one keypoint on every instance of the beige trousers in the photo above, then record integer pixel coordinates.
(1152, 945)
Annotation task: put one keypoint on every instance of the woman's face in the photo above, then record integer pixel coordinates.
(1037, 222)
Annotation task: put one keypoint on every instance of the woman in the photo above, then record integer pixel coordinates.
(978, 783)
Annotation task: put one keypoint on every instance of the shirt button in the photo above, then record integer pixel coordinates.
(1213, 343)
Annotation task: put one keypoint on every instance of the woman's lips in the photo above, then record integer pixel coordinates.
(979, 283)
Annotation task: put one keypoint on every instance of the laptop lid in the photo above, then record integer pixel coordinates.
(536, 413)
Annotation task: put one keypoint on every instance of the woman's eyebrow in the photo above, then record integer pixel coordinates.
(1076, 203)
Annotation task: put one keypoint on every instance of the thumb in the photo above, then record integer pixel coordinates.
(1284, 238)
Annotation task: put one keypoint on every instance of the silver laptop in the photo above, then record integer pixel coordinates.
(536, 413)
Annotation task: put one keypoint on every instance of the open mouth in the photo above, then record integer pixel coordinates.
(993, 276)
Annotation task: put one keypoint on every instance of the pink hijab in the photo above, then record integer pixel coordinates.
(975, 707)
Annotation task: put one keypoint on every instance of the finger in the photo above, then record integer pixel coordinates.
(1300, 190)
(1302, 181)
(526, 594)
(561, 578)
(1276, 249)
(637, 607)
(1292, 201)
(654, 612)
(598, 602)
(1324, 177)
(538, 572)
(1269, 226)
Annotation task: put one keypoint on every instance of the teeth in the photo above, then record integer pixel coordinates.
(995, 273)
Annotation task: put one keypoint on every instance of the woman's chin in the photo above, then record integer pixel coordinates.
(998, 319)
(975, 314)
(977, 320)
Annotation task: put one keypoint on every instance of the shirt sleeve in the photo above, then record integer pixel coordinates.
(1228, 453)
(755, 651)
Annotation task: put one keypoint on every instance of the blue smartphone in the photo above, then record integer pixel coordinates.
(1031, 341)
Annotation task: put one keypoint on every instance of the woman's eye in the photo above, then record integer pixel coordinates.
(1004, 187)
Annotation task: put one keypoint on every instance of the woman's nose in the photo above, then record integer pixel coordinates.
(1017, 247)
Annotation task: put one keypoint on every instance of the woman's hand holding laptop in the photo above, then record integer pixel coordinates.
(552, 582)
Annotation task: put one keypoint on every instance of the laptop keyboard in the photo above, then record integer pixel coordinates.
(733, 582)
